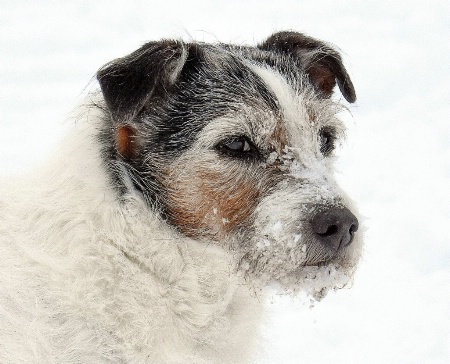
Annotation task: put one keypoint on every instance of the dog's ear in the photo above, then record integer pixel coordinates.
(128, 83)
(322, 63)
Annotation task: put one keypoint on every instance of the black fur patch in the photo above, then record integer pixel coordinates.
(168, 91)
(168, 117)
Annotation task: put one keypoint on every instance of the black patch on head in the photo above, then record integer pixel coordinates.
(291, 68)
(168, 91)
(206, 91)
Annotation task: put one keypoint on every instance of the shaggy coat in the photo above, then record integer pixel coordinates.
(194, 177)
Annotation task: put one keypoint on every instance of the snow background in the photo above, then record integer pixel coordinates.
(395, 163)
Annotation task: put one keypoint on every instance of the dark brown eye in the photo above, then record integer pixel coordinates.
(237, 147)
(327, 140)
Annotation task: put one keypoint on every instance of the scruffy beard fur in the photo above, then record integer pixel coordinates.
(197, 175)
(260, 210)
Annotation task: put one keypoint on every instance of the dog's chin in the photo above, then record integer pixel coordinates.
(316, 281)
(313, 279)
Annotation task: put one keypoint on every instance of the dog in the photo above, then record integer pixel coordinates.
(196, 176)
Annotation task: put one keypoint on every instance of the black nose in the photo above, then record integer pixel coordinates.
(335, 227)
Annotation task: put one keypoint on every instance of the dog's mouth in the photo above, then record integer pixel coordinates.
(318, 255)
(308, 267)
(299, 257)
(318, 263)
(319, 277)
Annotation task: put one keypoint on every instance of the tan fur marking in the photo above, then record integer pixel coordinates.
(278, 139)
(126, 143)
(211, 204)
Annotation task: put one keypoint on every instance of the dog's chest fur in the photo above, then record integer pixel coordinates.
(96, 281)
(197, 175)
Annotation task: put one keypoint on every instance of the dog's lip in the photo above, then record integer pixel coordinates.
(321, 258)
(318, 263)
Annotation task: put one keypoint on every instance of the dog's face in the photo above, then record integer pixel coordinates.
(234, 146)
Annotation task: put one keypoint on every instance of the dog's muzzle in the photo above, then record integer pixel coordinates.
(335, 228)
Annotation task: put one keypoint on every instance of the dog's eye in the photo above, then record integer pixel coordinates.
(327, 139)
(238, 147)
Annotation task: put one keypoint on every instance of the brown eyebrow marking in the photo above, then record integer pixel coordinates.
(278, 139)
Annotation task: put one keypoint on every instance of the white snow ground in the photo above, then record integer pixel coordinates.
(395, 164)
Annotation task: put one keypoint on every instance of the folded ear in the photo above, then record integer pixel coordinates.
(128, 83)
(322, 63)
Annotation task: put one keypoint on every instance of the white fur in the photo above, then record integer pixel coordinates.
(89, 278)
(86, 279)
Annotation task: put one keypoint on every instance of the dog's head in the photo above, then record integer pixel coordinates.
(234, 146)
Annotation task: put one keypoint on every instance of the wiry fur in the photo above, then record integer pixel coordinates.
(146, 238)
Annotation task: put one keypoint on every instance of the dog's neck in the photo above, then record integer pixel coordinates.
(187, 286)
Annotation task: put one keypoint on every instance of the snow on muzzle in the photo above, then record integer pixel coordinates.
(302, 235)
